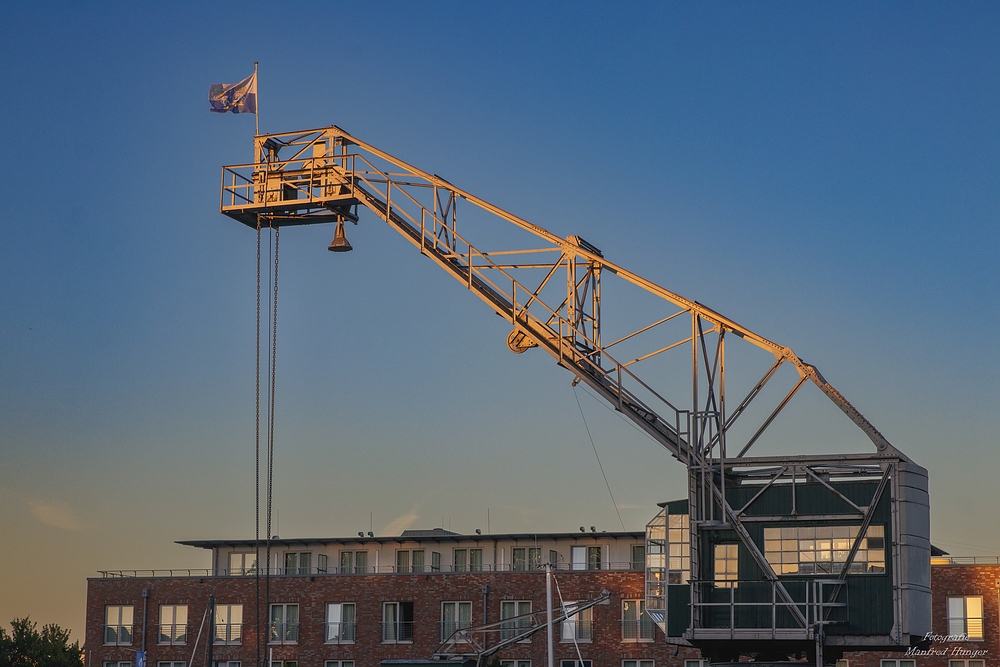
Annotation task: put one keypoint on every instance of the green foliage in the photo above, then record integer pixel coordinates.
(25, 646)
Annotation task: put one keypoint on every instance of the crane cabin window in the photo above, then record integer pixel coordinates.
(824, 549)
(726, 565)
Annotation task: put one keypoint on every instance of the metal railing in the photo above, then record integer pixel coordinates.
(448, 628)
(965, 560)
(581, 629)
(340, 633)
(638, 630)
(614, 566)
(283, 632)
(757, 605)
(398, 632)
(228, 633)
(172, 634)
(117, 635)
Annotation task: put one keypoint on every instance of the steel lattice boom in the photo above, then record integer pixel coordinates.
(665, 365)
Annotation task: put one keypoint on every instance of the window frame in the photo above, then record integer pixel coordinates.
(641, 623)
(347, 629)
(729, 575)
(289, 629)
(402, 627)
(965, 618)
(173, 639)
(578, 627)
(458, 623)
(119, 625)
(512, 629)
(229, 640)
(638, 662)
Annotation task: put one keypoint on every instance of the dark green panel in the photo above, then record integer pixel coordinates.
(678, 609)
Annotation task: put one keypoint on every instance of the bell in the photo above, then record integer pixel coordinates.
(339, 243)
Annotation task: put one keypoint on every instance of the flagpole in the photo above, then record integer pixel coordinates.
(256, 111)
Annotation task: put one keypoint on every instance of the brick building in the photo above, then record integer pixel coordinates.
(358, 601)
(354, 602)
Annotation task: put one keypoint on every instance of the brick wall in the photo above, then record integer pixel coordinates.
(368, 592)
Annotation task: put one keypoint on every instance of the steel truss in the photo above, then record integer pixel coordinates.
(551, 290)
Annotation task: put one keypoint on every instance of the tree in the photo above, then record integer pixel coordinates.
(25, 646)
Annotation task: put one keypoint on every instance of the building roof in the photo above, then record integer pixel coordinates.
(437, 535)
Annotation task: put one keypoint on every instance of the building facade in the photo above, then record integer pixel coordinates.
(356, 602)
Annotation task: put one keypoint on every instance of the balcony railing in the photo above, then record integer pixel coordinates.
(581, 629)
(340, 633)
(283, 633)
(638, 630)
(118, 635)
(228, 633)
(448, 628)
(398, 632)
(617, 566)
(172, 634)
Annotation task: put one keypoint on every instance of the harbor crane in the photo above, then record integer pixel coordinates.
(770, 555)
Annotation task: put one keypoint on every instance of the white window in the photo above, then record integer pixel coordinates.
(435, 561)
(467, 560)
(397, 622)
(284, 663)
(965, 616)
(242, 563)
(678, 549)
(824, 549)
(228, 623)
(576, 663)
(410, 561)
(284, 624)
(340, 623)
(353, 561)
(455, 616)
(339, 663)
(585, 558)
(118, 625)
(226, 663)
(173, 624)
(578, 626)
(170, 663)
(726, 565)
(637, 626)
(529, 558)
(638, 561)
(515, 663)
(966, 663)
(321, 563)
(298, 562)
(117, 664)
(638, 663)
(696, 663)
(512, 609)
(899, 663)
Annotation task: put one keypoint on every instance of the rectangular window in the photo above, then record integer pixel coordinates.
(726, 565)
(966, 663)
(435, 561)
(321, 562)
(173, 624)
(965, 616)
(170, 663)
(518, 560)
(228, 623)
(418, 560)
(460, 560)
(353, 561)
(515, 663)
(284, 663)
(226, 663)
(115, 663)
(554, 558)
(578, 626)
(517, 610)
(593, 558)
(696, 663)
(284, 624)
(637, 626)
(638, 557)
(242, 563)
(298, 562)
(824, 549)
(397, 622)
(534, 558)
(678, 548)
(576, 663)
(475, 560)
(898, 663)
(118, 625)
(339, 663)
(638, 663)
(340, 623)
(578, 558)
(455, 616)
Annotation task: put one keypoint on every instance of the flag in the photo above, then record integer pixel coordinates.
(236, 97)
(140, 659)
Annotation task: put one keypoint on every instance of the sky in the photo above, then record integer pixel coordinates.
(823, 173)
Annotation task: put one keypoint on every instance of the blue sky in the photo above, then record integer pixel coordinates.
(825, 174)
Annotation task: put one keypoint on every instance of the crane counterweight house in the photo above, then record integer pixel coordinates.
(769, 555)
